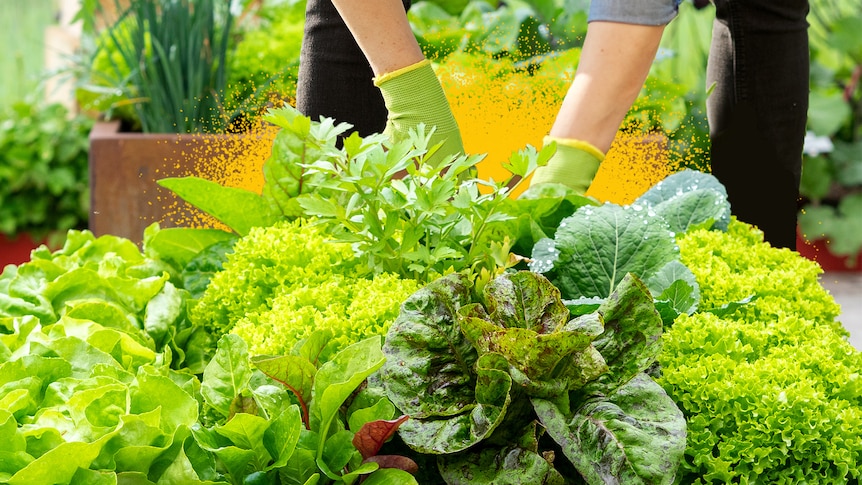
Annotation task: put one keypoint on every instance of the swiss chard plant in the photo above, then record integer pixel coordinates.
(506, 387)
(293, 419)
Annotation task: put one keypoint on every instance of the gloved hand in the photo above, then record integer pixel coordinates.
(574, 164)
(413, 95)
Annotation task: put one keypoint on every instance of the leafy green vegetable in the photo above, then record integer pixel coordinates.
(469, 373)
(636, 434)
(594, 248)
(294, 282)
(770, 389)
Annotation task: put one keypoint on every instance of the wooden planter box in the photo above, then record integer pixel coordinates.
(125, 197)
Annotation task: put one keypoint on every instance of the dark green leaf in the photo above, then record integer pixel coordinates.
(636, 435)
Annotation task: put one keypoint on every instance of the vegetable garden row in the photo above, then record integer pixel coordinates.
(351, 326)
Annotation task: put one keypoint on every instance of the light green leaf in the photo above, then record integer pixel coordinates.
(339, 377)
(598, 246)
(281, 436)
(237, 208)
(227, 374)
(390, 476)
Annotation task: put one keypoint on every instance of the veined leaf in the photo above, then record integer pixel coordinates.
(227, 374)
(636, 435)
(239, 209)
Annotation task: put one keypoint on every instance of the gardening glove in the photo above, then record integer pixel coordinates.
(413, 95)
(574, 164)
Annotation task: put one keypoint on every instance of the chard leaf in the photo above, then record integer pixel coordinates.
(499, 466)
(300, 469)
(381, 411)
(373, 434)
(337, 453)
(598, 246)
(631, 341)
(336, 380)
(635, 435)
(428, 369)
(293, 372)
(238, 209)
(443, 435)
(689, 198)
(281, 436)
(390, 476)
(227, 374)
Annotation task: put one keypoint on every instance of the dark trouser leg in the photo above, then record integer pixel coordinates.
(335, 79)
(758, 110)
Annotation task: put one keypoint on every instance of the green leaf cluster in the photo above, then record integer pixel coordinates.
(596, 247)
(294, 418)
(484, 379)
(281, 283)
(771, 389)
(400, 213)
(104, 380)
(92, 340)
(43, 170)
(109, 281)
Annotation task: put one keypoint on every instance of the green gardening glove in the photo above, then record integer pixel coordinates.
(574, 164)
(413, 95)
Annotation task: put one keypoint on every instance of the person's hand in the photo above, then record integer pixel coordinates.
(413, 95)
(574, 165)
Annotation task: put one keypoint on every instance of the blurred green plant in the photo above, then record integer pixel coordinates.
(264, 66)
(832, 165)
(43, 170)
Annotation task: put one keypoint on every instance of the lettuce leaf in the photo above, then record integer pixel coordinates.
(634, 435)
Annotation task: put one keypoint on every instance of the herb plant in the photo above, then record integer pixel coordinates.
(400, 213)
(169, 58)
